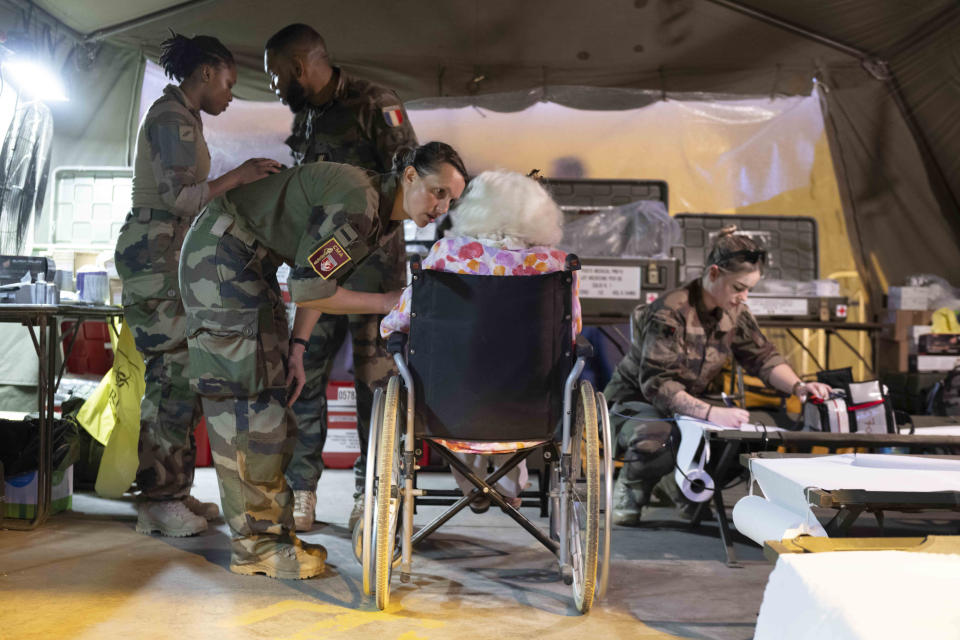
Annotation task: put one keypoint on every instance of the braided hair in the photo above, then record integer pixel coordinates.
(180, 56)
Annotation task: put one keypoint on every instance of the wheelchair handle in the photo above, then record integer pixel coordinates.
(397, 342)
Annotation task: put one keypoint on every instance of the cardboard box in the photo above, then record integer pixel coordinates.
(21, 494)
(915, 298)
(894, 355)
(898, 323)
(921, 363)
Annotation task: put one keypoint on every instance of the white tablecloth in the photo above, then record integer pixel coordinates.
(868, 595)
(784, 481)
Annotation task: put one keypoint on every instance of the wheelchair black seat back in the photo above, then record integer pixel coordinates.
(489, 355)
(490, 358)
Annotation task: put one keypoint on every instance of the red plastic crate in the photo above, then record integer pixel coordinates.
(342, 447)
(91, 352)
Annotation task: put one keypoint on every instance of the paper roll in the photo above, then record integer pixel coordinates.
(761, 520)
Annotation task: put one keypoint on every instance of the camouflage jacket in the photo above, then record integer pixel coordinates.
(680, 346)
(363, 124)
(324, 219)
(172, 160)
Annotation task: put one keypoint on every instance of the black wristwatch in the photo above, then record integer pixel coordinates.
(305, 343)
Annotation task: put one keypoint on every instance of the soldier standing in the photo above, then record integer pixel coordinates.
(681, 343)
(169, 188)
(327, 221)
(338, 118)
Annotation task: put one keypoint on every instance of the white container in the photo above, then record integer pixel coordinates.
(909, 298)
(93, 285)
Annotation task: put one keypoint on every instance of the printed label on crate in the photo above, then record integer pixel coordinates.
(342, 417)
(617, 283)
(341, 395)
(342, 441)
(760, 306)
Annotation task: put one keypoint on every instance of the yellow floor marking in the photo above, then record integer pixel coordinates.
(343, 619)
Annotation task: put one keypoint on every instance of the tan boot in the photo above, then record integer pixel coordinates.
(168, 518)
(293, 560)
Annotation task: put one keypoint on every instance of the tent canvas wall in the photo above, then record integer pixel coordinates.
(889, 71)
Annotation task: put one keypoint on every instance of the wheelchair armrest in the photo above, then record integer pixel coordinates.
(584, 348)
(397, 342)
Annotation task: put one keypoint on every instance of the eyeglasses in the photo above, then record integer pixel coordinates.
(746, 255)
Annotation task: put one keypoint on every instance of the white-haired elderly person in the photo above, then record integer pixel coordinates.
(506, 224)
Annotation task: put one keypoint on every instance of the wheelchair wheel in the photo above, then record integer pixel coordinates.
(606, 492)
(363, 533)
(583, 496)
(389, 496)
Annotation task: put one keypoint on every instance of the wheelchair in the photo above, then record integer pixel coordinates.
(481, 365)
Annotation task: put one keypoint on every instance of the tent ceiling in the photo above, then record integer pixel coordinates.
(444, 45)
(478, 51)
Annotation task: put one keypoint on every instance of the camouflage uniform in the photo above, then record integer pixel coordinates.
(236, 328)
(169, 189)
(362, 125)
(677, 346)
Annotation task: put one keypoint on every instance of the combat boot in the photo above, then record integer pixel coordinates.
(206, 510)
(289, 559)
(168, 518)
(629, 497)
(304, 509)
(356, 514)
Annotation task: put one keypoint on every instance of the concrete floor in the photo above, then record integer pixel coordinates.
(88, 575)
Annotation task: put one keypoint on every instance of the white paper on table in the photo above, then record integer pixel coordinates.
(948, 430)
(762, 520)
(785, 480)
(692, 434)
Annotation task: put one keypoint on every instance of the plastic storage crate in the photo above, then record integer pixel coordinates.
(89, 206)
(790, 241)
(606, 193)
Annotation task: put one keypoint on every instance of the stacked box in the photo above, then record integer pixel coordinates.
(909, 298)
(899, 337)
(21, 494)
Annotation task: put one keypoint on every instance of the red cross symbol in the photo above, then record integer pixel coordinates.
(841, 311)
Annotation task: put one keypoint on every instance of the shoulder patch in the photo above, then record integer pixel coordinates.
(393, 115)
(186, 133)
(328, 258)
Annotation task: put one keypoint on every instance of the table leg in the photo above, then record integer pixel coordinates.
(43, 342)
(726, 536)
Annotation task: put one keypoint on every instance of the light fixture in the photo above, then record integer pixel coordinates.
(34, 80)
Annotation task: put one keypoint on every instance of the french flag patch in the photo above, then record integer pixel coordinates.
(393, 115)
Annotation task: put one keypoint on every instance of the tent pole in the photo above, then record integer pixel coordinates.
(763, 16)
(107, 32)
(880, 70)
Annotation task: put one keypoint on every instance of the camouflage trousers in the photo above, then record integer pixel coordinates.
(251, 439)
(238, 339)
(372, 368)
(645, 441)
(147, 255)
